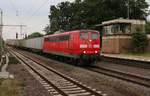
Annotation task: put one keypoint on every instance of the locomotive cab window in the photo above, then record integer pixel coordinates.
(46, 39)
(84, 35)
(94, 36)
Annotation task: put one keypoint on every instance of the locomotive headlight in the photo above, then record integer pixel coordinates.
(96, 51)
(84, 52)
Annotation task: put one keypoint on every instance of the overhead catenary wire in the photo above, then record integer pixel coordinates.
(37, 9)
(18, 17)
(16, 10)
(28, 19)
(32, 6)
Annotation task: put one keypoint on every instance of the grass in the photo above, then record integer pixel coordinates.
(3, 62)
(145, 54)
(10, 87)
(13, 60)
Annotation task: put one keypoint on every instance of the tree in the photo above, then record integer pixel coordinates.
(47, 30)
(54, 19)
(139, 42)
(34, 35)
(147, 27)
(138, 9)
(84, 14)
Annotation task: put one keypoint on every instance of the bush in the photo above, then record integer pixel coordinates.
(13, 60)
(147, 27)
(139, 42)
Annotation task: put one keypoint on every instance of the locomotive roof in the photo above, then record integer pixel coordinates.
(63, 33)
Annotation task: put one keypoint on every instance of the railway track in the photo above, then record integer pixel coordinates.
(130, 77)
(128, 62)
(56, 83)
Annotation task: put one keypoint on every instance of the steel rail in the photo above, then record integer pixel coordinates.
(60, 91)
(128, 62)
(92, 91)
(121, 75)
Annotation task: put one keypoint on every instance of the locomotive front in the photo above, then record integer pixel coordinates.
(89, 45)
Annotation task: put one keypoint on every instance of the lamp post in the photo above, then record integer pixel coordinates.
(128, 9)
(1, 29)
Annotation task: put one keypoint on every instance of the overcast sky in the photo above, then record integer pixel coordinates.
(33, 13)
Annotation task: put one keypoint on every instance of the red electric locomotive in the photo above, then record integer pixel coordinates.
(79, 45)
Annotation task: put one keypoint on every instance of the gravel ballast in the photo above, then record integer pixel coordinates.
(106, 84)
(129, 69)
(30, 86)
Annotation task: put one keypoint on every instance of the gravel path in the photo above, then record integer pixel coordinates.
(31, 87)
(109, 85)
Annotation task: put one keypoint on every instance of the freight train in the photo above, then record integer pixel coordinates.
(80, 46)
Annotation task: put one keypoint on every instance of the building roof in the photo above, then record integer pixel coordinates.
(121, 20)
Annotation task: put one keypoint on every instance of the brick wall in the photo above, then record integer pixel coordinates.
(110, 44)
(118, 44)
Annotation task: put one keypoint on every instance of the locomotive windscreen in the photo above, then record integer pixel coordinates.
(94, 36)
(84, 35)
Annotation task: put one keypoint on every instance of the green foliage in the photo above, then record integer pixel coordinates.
(144, 54)
(13, 60)
(84, 14)
(34, 35)
(10, 87)
(139, 42)
(2, 46)
(147, 27)
(47, 30)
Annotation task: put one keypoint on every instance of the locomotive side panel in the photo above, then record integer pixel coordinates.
(57, 43)
(74, 43)
(61, 44)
